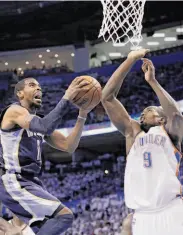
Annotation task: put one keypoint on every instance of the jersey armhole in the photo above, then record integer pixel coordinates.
(175, 148)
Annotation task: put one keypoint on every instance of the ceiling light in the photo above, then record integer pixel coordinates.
(158, 35)
(48, 50)
(119, 44)
(115, 54)
(19, 11)
(58, 61)
(42, 62)
(27, 62)
(170, 39)
(152, 43)
(40, 56)
(6, 63)
(56, 55)
(72, 54)
(179, 30)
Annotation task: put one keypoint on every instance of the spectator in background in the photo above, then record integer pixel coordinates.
(95, 61)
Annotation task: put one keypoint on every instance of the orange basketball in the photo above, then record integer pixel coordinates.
(89, 99)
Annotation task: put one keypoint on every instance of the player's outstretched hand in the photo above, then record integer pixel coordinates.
(148, 69)
(138, 54)
(77, 85)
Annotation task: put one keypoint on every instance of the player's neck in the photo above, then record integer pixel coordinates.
(26, 105)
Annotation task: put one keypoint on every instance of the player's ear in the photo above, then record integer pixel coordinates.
(162, 121)
(20, 94)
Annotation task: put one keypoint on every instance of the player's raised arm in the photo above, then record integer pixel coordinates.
(69, 143)
(116, 111)
(21, 116)
(168, 104)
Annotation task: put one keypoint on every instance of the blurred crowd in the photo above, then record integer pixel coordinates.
(95, 195)
(99, 216)
(90, 180)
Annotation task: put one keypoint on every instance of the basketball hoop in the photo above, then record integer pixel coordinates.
(122, 19)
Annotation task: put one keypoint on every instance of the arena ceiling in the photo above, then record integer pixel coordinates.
(38, 24)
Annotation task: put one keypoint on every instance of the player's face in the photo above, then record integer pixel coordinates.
(152, 117)
(32, 93)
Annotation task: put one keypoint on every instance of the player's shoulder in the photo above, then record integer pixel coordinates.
(16, 109)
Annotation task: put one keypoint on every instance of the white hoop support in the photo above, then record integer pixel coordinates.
(122, 21)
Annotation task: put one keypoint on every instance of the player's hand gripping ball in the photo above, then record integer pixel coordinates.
(87, 99)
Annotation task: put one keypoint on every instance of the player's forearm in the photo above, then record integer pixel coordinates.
(75, 136)
(114, 84)
(168, 104)
(51, 121)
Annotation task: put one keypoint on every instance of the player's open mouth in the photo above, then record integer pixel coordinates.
(38, 97)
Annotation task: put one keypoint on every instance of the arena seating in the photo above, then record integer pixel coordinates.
(96, 198)
(89, 182)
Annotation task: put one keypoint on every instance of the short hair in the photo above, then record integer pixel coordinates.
(20, 86)
(158, 109)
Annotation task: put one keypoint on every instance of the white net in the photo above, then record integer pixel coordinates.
(122, 20)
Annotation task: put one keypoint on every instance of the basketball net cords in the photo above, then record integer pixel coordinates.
(122, 19)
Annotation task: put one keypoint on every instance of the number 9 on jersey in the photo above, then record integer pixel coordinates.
(147, 159)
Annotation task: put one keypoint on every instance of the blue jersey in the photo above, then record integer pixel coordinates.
(20, 150)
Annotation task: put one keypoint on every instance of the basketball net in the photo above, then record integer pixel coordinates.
(122, 19)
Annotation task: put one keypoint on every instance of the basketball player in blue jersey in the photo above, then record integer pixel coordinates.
(152, 177)
(22, 134)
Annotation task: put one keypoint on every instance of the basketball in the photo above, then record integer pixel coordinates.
(89, 99)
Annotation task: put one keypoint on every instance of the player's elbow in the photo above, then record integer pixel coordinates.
(107, 98)
(70, 148)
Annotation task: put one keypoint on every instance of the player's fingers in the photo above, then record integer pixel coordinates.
(146, 51)
(145, 60)
(83, 89)
(144, 67)
(77, 80)
(150, 64)
(83, 83)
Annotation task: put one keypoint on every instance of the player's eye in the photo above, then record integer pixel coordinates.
(31, 84)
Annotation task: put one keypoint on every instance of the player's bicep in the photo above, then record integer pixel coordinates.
(19, 115)
(57, 140)
(175, 126)
(119, 116)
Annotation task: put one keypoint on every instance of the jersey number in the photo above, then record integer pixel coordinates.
(38, 150)
(147, 159)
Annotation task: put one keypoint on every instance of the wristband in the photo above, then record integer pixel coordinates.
(82, 118)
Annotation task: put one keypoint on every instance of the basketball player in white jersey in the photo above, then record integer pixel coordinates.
(152, 186)
(14, 227)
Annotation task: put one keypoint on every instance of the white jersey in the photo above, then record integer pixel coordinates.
(152, 168)
(26, 230)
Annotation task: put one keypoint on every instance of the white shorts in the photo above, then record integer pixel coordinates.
(168, 221)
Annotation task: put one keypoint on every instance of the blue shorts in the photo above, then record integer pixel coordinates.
(27, 198)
